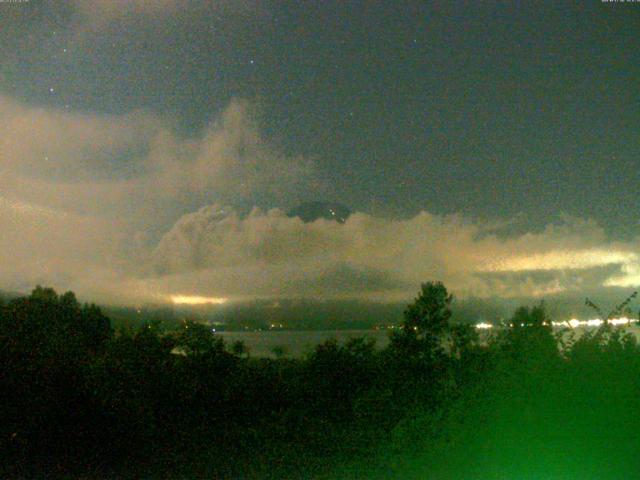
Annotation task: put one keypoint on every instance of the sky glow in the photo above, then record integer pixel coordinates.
(196, 300)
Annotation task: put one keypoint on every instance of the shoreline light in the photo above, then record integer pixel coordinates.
(575, 323)
(197, 300)
(484, 326)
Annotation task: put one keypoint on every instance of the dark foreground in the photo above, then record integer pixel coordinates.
(80, 401)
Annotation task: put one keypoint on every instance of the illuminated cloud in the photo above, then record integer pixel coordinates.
(629, 276)
(560, 260)
(103, 165)
(270, 254)
(107, 206)
(94, 189)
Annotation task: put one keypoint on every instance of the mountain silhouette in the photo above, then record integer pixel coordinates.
(312, 211)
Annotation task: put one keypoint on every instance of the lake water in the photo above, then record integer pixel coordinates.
(298, 343)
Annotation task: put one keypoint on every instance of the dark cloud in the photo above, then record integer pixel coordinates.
(349, 281)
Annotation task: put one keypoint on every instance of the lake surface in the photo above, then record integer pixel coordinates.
(297, 343)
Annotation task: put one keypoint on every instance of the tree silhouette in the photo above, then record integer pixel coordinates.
(196, 339)
(426, 321)
(620, 309)
(530, 335)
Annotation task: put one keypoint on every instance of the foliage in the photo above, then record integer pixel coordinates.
(77, 401)
(426, 321)
(617, 311)
(529, 336)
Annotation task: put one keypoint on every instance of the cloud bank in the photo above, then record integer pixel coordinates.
(105, 165)
(124, 209)
(109, 184)
(270, 254)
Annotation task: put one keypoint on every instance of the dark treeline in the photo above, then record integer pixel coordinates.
(78, 400)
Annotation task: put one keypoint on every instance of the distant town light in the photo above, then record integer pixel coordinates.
(575, 323)
(484, 326)
(621, 321)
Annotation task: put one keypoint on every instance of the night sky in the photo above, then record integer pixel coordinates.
(136, 136)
